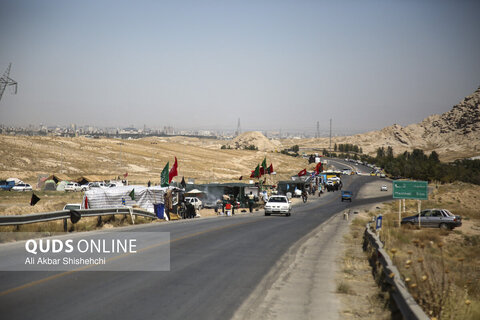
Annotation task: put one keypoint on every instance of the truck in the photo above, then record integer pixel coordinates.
(6, 185)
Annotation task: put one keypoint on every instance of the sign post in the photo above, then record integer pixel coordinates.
(417, 190)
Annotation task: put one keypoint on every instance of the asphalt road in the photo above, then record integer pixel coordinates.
(216, 263)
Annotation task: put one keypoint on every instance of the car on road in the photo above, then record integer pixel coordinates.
(347, 196)
(72, 206)
(434, 218)
(278, 204)
(384, 188)
(197, 203)
(73, 187)
(22, 187)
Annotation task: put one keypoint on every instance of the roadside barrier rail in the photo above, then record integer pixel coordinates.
(404, 301)
(74, 215)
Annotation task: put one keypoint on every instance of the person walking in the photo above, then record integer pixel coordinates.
(250, 201)
(168, 203)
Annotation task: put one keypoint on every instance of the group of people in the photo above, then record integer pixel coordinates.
(184, 210)
(229, 203)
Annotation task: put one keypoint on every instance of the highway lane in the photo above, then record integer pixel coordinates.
(215, 264)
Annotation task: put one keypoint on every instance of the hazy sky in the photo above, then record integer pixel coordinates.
(204, 64)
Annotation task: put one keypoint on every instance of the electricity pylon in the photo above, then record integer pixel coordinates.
(5, 81)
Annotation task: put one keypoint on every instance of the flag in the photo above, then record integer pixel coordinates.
(173, 172)
(34, 199)
(318, 168)
(183, 184)
(125, 175)
(264, 164)
(164, 176)
(241, 177)
(86, 203)
(256, 173)
(302, 173)
(132, 194)
(270, 169)
(262, 171)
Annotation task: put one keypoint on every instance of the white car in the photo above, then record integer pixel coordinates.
(72, 206)
(384, 188)
(278, 204)
(73, 186)
(197, 203)
(22, 187)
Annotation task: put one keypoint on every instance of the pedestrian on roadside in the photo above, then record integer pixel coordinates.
(250, 201)
(149, 183)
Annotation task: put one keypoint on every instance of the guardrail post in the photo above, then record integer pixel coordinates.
(65, 225)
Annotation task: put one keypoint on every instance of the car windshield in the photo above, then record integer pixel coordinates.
(277, 199)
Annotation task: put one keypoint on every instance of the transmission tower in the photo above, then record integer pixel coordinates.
(5, 81)
(239, 130)
(330, 134)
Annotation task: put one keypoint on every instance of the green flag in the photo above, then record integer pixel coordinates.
(264, 164)
(164, 176)
(132, 194)
(256, 174)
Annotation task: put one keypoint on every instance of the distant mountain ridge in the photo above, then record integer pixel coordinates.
(453, 134)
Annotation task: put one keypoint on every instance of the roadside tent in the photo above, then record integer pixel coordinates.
(50, 185)
(195, 193)
(57, 177)
(118, 197)
(90, 178)
(61, 185)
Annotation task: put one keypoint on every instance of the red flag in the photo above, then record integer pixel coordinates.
(262, 171)
(318, 168)
(173, 172)
(302, 173)
(270, 169)
(86, 203)
(125, 175)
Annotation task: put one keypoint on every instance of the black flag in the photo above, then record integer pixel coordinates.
(34, 199)
(75, 216)
(183, 184)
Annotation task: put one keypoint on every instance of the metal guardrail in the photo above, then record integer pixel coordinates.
(406, 304)
(65, 214)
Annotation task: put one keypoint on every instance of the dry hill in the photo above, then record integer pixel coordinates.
(454, 134)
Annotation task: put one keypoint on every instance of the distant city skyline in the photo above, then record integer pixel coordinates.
(202, 65)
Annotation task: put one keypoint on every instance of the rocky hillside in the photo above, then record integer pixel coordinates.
(454, 134)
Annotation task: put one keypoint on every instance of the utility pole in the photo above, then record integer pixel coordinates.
(330, 134)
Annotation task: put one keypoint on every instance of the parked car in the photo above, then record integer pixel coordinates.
(212, 204)
(72, 206)
(197, 203)
(85, 187)
(73, 186)
(434, 218)
(347, 196)
(92, 185)
(383, 188)
(278, 204)
(22, 187)
(6, 185)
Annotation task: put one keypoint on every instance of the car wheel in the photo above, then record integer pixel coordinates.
(444, 226)
(267, 214)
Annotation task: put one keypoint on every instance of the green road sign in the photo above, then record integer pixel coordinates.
(410, 190)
